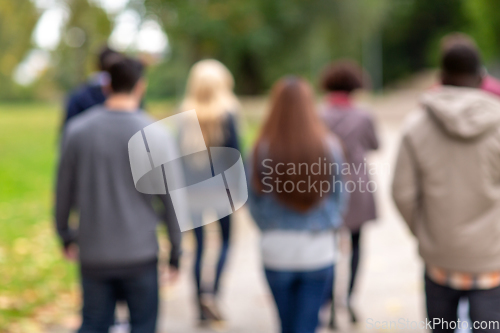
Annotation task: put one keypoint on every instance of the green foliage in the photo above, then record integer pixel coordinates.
(413, 29)
(17, 20)
(166, 79)
(261, 40)
(88, 28)
(486, 26)
(412, 32)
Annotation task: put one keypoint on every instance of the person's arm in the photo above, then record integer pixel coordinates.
(174, 233)
(66, 193)
(232, 140)
(372, 142)
(257, 202)
(72, 108)
(175, 180)
(340, 193)
(405, 184)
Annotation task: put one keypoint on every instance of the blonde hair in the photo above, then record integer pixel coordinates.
(209, 91)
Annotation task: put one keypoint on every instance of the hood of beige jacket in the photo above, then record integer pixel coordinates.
(463, 112)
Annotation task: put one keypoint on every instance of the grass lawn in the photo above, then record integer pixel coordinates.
(37, 286)
(32, 271)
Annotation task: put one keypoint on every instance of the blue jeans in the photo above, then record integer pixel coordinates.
(299, 296)
(442, 303)
(225, 230)
(140, 291)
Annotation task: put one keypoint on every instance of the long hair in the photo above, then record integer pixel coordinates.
(210, 92)
(294, 135)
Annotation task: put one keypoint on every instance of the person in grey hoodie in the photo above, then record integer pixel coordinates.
(447, 188)
(115, 242)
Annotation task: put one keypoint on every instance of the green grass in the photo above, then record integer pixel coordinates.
(31, 268)
(33, 273)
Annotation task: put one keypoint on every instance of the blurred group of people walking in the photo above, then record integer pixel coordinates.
(307, 178)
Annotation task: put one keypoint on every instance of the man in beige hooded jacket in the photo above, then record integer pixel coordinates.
(447, 188)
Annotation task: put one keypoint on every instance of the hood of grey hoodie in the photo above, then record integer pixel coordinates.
(463, 112)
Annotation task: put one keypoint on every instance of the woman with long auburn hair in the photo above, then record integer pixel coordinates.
(209, 92)
(296, 198)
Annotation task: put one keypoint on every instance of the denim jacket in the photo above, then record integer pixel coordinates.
(270, 214)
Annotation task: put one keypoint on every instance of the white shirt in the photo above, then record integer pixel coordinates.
(292, 250)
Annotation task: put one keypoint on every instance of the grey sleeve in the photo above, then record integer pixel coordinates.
(173, 229)
(175, 179)
(66, 192)
(372, 142)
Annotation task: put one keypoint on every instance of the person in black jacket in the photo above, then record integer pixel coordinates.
(92, 92)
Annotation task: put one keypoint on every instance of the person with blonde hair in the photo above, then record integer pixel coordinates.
(209, 91)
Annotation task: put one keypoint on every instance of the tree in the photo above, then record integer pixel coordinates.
(85, 32)
(485, 26)
(412, 32)
(17, 21)
(261, 40)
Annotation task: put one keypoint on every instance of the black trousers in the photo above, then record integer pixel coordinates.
(140, 291)
(442, 304)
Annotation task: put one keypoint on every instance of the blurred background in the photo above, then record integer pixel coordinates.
(48, 47)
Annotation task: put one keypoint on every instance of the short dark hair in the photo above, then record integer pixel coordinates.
(124, 74)
(343, 75)
(107, 56)
(461, 59)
